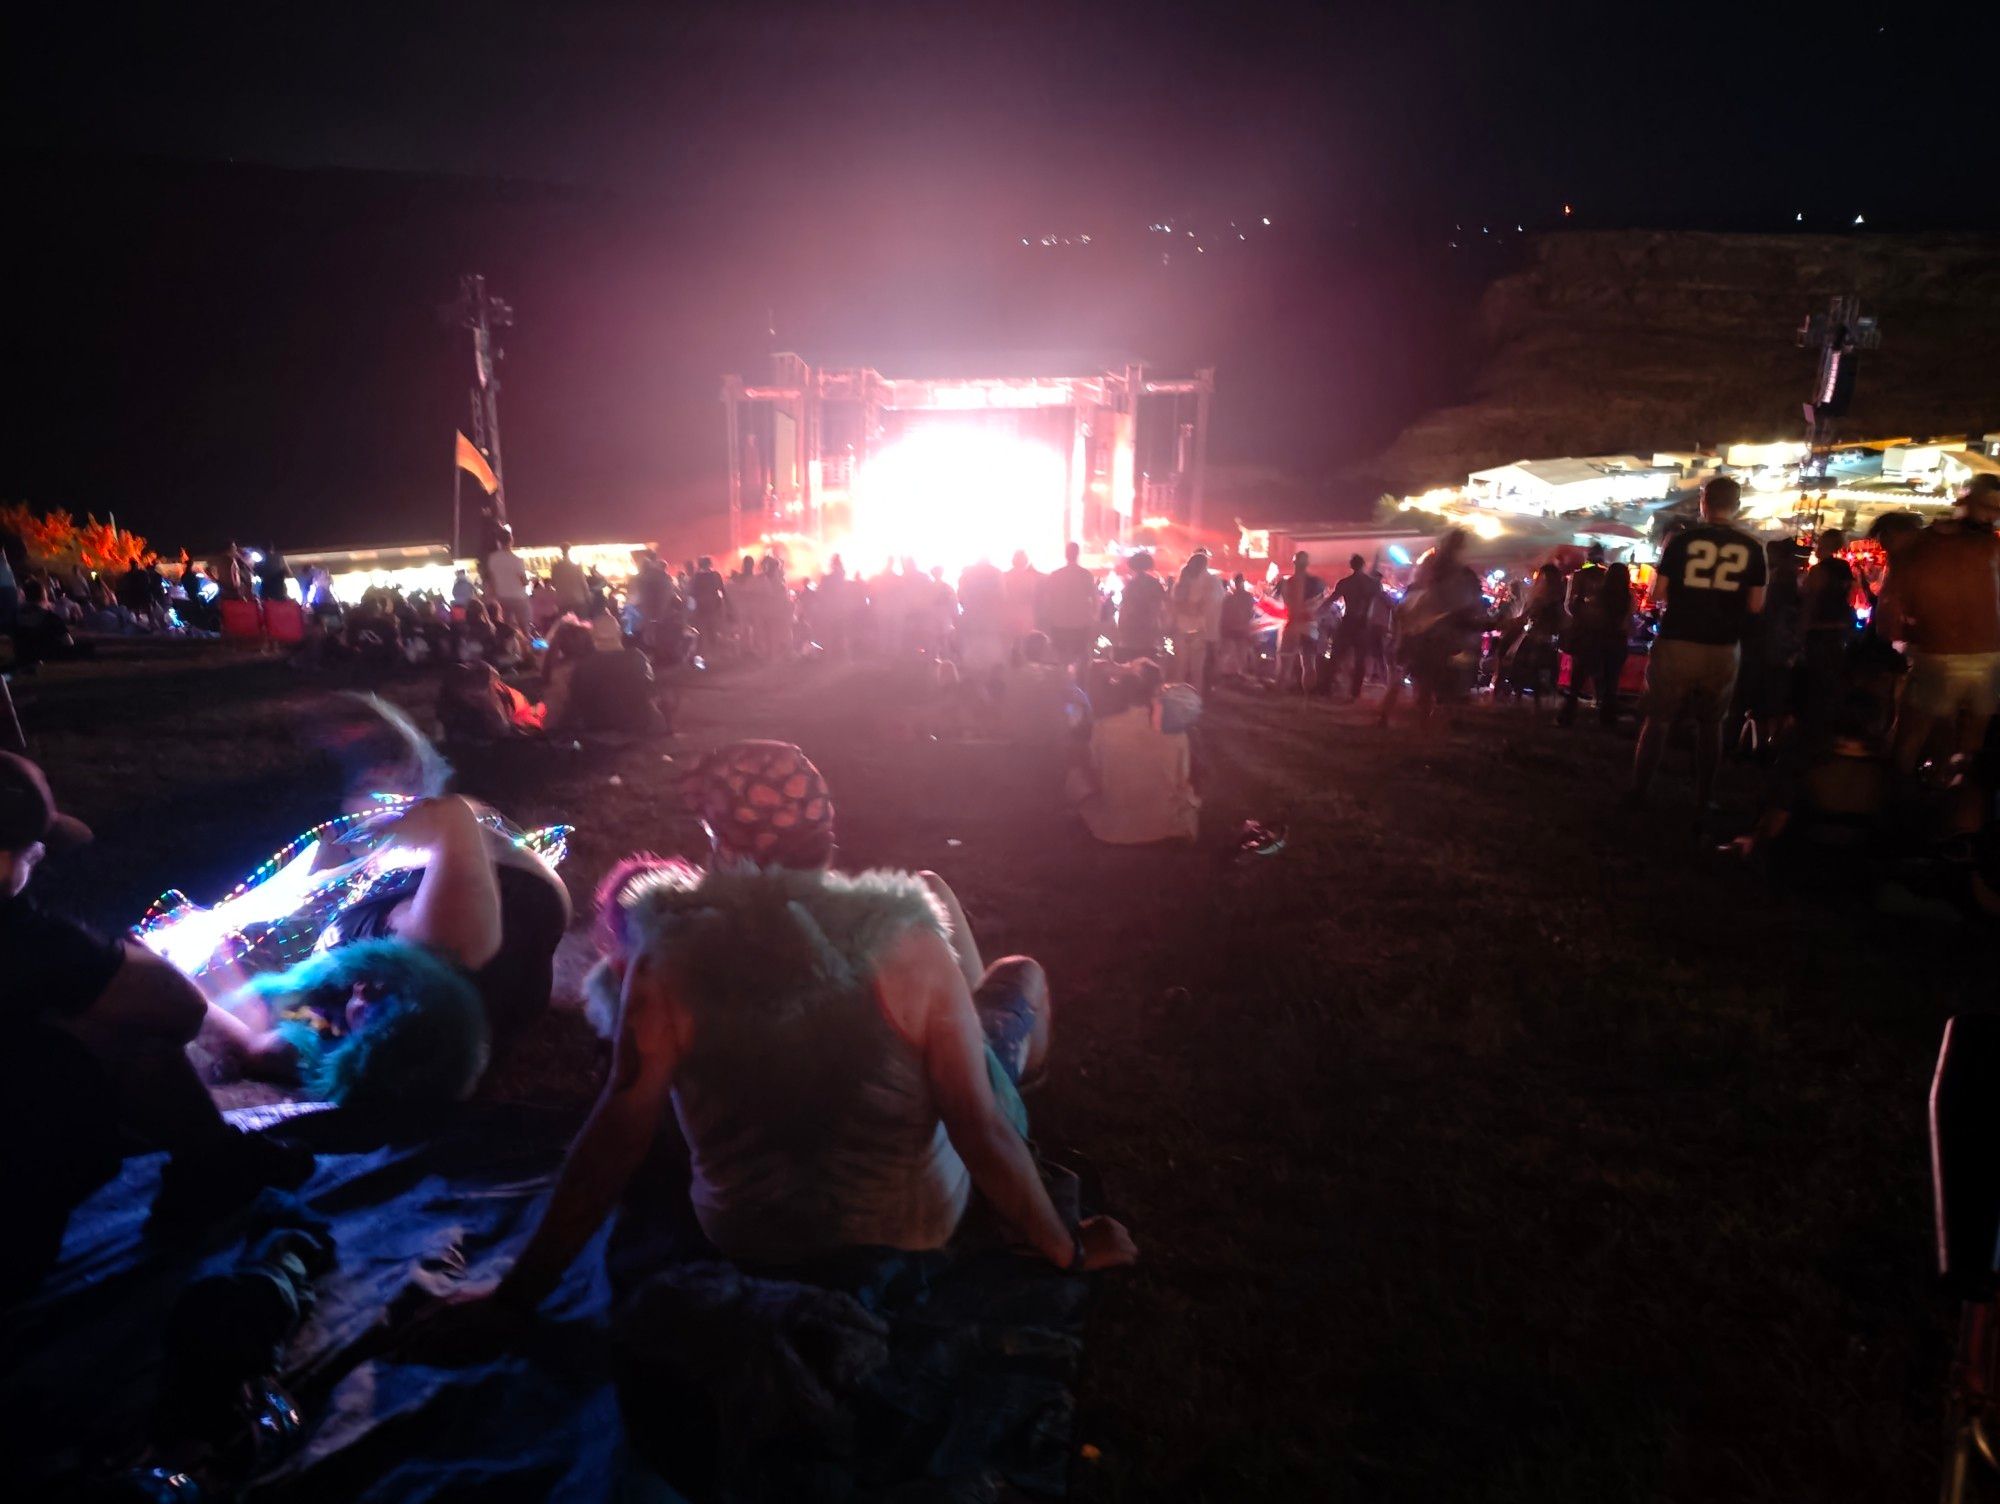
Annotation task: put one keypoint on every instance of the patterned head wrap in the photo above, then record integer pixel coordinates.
(763, 802)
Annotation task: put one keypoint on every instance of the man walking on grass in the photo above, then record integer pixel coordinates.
(1712, 578)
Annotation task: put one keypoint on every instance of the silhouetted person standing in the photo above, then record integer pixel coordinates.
(1712, 577)
(1358, 594)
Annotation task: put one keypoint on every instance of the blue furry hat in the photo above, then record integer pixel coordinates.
(425, 1040)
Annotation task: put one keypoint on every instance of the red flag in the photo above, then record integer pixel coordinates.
(473, 463)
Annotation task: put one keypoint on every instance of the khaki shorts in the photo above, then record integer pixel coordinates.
(1689, 678)
(1943, 684)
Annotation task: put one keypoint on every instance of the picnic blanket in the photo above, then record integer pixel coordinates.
(661, 1373)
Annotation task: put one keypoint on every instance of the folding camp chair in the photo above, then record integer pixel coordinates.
(242, 623)
(284, 622)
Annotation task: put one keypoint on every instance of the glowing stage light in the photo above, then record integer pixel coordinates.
(952, 493)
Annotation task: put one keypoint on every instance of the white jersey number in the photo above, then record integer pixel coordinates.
(1713, 567)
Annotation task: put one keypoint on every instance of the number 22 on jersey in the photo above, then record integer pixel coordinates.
(1713, 566)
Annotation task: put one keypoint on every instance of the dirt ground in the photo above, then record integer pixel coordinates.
(1482, 1144)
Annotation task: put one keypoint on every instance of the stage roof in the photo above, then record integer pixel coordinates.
(934, 365)
(1570, 470)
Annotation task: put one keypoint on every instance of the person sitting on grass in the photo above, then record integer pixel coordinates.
(1039, 703)
(41, 634)
(588, 691)
(842, 1067)
(1139, 781)
(1831, 802)
(476, 640)
(373, 638)
(569, 646)
(475, 704)
(96, 1064)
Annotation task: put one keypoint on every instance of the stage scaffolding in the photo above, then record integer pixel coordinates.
(1135, 442)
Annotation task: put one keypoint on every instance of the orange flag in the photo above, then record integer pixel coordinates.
(473, 463)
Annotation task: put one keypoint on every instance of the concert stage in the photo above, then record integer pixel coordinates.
(951, 461)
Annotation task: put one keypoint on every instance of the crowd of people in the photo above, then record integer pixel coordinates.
(50, 614)
(1856, 679)
(1876, 741)
(445, 960)
(1862, 696)
(1760, 646)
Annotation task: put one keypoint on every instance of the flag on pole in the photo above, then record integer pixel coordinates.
(473, 463)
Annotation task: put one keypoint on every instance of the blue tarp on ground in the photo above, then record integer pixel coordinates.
(892, 1376)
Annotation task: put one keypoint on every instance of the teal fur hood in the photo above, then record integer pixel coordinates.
(776, 940)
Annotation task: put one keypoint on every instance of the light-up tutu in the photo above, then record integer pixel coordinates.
(286, 911)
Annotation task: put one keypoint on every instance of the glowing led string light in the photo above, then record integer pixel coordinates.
(285, 910)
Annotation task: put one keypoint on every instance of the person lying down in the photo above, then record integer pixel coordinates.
(389, 954)
(439, 964)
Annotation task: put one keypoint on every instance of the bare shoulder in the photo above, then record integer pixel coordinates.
(919, 951)
(913, 974)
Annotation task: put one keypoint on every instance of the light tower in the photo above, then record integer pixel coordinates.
(1838, 334)
(484, 315)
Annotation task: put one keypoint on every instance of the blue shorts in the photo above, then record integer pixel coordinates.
(1008, 1017)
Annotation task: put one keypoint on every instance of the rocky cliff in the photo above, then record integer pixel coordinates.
(1620, 342)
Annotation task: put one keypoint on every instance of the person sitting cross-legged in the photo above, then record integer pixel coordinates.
(96, 1065)
(1138, 783)
(842, 1069)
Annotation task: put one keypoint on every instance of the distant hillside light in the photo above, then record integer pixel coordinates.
(1567, 211)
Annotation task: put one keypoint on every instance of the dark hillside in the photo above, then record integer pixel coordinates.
(1634, 341)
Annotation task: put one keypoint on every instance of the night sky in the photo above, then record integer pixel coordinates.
(233, 225)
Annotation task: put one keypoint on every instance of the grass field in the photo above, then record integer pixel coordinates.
(1483, 1144)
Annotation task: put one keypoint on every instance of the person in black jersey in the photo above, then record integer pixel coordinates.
(1712, 578)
